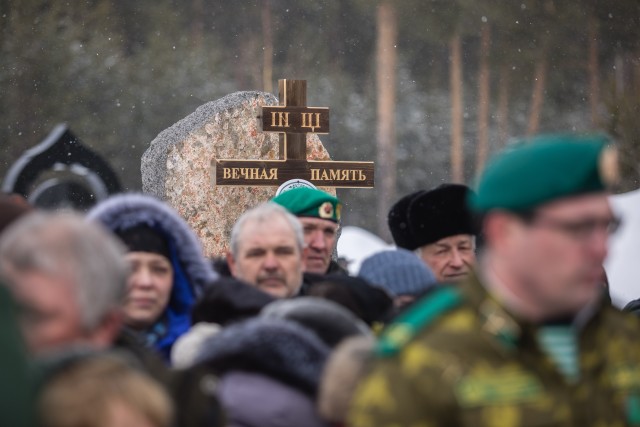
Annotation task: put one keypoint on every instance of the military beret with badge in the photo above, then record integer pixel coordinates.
(538, 170)
(310, 202)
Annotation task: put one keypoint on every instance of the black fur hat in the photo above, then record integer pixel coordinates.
(439, 213)
(398, 220)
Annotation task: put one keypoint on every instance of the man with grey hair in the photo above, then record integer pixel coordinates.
(266, 250)
(69, 277)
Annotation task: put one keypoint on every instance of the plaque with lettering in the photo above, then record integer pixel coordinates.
(277, 172)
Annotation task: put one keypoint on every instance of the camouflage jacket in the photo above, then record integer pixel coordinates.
(457, 358)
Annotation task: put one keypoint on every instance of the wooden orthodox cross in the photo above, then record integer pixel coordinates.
(293, 120)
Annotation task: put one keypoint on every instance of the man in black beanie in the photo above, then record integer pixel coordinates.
(438, 227)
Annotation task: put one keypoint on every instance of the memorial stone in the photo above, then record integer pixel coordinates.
(177, 167)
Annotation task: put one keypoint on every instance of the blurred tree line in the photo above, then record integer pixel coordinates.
(427, 88)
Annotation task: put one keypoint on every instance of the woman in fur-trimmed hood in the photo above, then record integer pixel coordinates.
(168, 268)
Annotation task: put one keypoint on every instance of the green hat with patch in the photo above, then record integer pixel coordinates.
(541, 169)
(310, 202)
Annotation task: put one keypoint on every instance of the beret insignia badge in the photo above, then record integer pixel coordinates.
(608, 166)
(325, 210)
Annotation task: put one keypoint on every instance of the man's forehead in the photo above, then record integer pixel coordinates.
(317, 222)
(278, 243)
(455, 240)
(271, 231)
(267, 223)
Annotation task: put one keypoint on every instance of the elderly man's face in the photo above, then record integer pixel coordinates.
(320, 239)
(269, 257)
(450, 259)
(50, 315)
(558, 255)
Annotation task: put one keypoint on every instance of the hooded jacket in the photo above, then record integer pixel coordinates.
(192, 272)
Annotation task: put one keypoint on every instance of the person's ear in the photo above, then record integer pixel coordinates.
(106, 333)
(232, 263)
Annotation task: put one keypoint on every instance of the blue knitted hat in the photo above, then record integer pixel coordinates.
(398, 271)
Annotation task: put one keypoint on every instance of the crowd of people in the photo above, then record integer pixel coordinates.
(491, 310)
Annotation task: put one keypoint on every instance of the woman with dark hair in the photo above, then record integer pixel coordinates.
(168, 268)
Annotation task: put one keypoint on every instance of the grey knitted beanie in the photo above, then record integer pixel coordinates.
(399, 271)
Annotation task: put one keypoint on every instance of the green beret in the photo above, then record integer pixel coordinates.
(309, 202)
(544, 168)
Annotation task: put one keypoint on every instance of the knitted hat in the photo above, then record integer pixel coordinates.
(143, 238)
(309, 202)
(399, 271)
(544, 168)
(398, 220)
(439, 213)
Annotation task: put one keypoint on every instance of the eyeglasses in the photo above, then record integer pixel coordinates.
(579, 230)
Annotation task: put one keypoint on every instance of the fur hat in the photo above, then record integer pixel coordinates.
(439, 213)
(398, 220)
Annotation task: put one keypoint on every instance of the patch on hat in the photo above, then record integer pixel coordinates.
(325, 210)
(608, 166)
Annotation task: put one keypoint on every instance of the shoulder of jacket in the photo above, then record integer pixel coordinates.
(418, 317)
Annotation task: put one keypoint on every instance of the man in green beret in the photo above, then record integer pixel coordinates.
(319, 212)
(528, 339)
